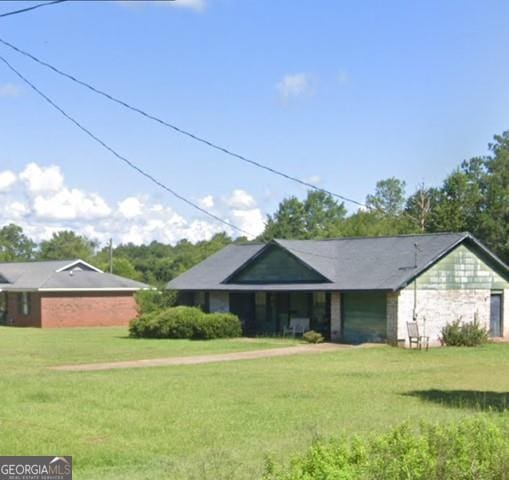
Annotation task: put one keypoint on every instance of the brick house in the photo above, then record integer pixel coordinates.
(355, 289)
(64, 293)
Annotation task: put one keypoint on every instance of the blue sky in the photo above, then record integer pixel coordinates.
(341, 93)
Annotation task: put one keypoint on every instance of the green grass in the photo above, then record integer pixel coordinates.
(219, 421)
(44, 347)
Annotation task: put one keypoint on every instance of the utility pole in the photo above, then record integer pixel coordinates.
(111, 255)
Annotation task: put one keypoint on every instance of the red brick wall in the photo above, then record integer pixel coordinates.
(88, 309)
(33, 319)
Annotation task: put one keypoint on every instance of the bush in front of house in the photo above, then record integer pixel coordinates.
(313, 337)
(185, 322)
(218, 325)
(146, 325)
(469, 334)
(474, 448)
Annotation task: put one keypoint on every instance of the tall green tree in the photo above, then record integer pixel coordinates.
(289, 221)
(367, 223)
(389, 196)
(67, 245)
(494, 228)
(15, 245)
(461, 199)
(319, 215)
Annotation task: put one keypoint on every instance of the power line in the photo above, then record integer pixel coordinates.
(118, 155)
(33, 7)
(178, 129)
(140, 170)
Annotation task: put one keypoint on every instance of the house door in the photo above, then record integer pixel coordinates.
(496, 315)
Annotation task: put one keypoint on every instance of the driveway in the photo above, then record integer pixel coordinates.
(199, 359)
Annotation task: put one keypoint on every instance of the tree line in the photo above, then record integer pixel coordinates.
(473, 197)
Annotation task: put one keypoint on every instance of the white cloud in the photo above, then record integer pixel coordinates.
(70, 204)
(7, 180)
(130, 207)
(314, 179)
(17, 209)
(43, 204)
(42, 179)
(10, 90)
(206, 202)
(240, 199)
(246, 215)
(294, 85)
(13, 211)
(251, 220)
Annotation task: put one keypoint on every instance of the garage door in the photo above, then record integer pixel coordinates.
(364, 317)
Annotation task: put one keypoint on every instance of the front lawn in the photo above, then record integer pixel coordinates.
(35, 347)
(219, 421)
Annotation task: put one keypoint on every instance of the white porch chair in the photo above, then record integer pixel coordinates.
(297, 326)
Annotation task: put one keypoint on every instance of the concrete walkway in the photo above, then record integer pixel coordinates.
(198, 359)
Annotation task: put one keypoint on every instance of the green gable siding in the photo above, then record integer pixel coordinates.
(276, 265)
(461, 269)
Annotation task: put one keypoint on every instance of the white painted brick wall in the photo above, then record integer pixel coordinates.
(219, 302)
(335, 314)
(436, 308)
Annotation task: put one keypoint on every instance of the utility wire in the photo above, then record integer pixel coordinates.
(119, 156)
(33, 7)
(143, 172)
(178, 129)
(140, 170)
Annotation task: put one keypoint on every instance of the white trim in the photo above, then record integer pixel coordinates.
(76, 262)
(122, 289)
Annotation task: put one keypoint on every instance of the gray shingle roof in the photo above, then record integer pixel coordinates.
(362, 263)
(56, 275)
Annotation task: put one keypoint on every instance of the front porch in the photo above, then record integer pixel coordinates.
(269, 312)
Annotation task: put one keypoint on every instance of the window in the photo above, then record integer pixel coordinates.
(24, 303)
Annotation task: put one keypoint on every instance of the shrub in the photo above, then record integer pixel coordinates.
(179, 322)
(218, 325)
(185, 322)
(313, 337)
(470, 334)
(475, 448)
(141, 326)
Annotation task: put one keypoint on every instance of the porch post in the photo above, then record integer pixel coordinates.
(335, 316)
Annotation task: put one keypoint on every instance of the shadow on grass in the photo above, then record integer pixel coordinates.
(469, 399)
